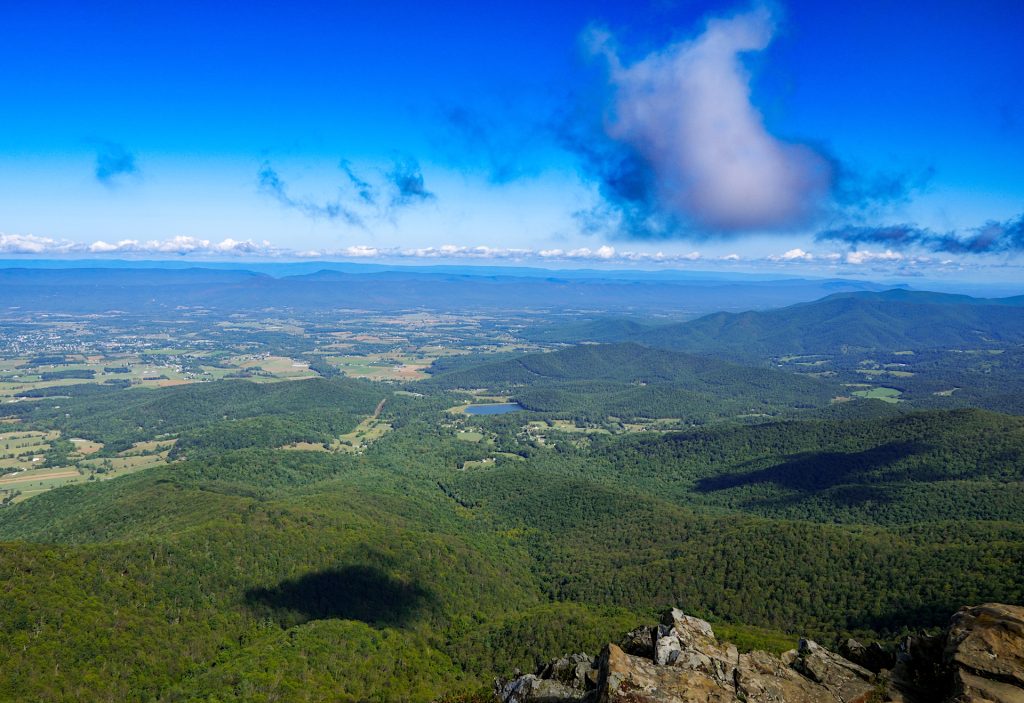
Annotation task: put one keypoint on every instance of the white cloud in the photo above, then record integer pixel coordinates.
(31, 244)
(865, 256)
(602, 254)
(793, 255)
(686, 111)
(101, 247)
(362, 252)
(180, 245)
(187, 246)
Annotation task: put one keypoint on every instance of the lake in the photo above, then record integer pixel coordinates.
(494, 409)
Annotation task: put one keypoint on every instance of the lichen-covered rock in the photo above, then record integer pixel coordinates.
(697, 647)
(639, 642)
(689, 665)
(987, 643)
(980, 659)
(562, 680)
(762, 678)
(577, 671)
(533, 689)
(666, 645)
(917, 670)
(629, 679)
(873, 657)
(692, 631)
(978, 689)
(846, 680)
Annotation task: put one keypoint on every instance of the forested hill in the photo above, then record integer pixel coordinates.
(602, 329)
(888, 321)
(630, 380)
(247, 414)
(620, 363)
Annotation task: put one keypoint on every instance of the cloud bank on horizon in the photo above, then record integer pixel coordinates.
(875, 262)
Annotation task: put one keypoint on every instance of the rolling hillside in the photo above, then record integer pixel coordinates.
(630, 380)
(891, 321)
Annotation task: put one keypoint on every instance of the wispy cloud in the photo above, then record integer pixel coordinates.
(860, 192)
(991, 238)
(271, 184)
(113, 162)
(364, 191)
(357, 201)
(406, 180)
(500, 142)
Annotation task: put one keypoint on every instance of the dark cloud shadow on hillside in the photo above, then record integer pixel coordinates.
(900, 614)
(818, 471)
(365, 593)
(840, 496)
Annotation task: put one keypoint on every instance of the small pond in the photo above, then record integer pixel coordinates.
(494, 409)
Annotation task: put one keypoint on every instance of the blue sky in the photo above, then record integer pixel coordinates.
(875, 137)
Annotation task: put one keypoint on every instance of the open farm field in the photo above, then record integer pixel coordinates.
(383, 367)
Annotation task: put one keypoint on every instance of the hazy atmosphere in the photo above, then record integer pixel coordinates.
(799, 137)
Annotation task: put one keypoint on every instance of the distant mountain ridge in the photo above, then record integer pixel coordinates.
(881, 320)
(90, 290)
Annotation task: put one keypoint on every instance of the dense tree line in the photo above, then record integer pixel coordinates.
(118, 418)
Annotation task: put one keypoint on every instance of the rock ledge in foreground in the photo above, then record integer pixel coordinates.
(978, 659)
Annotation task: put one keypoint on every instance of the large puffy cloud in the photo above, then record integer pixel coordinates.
(695, 154)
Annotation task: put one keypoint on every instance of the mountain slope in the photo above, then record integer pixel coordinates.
(892, 320)
(629, 380)
(399, 574)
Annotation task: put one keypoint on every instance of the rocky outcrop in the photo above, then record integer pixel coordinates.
(979, 659)
(985, 651)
